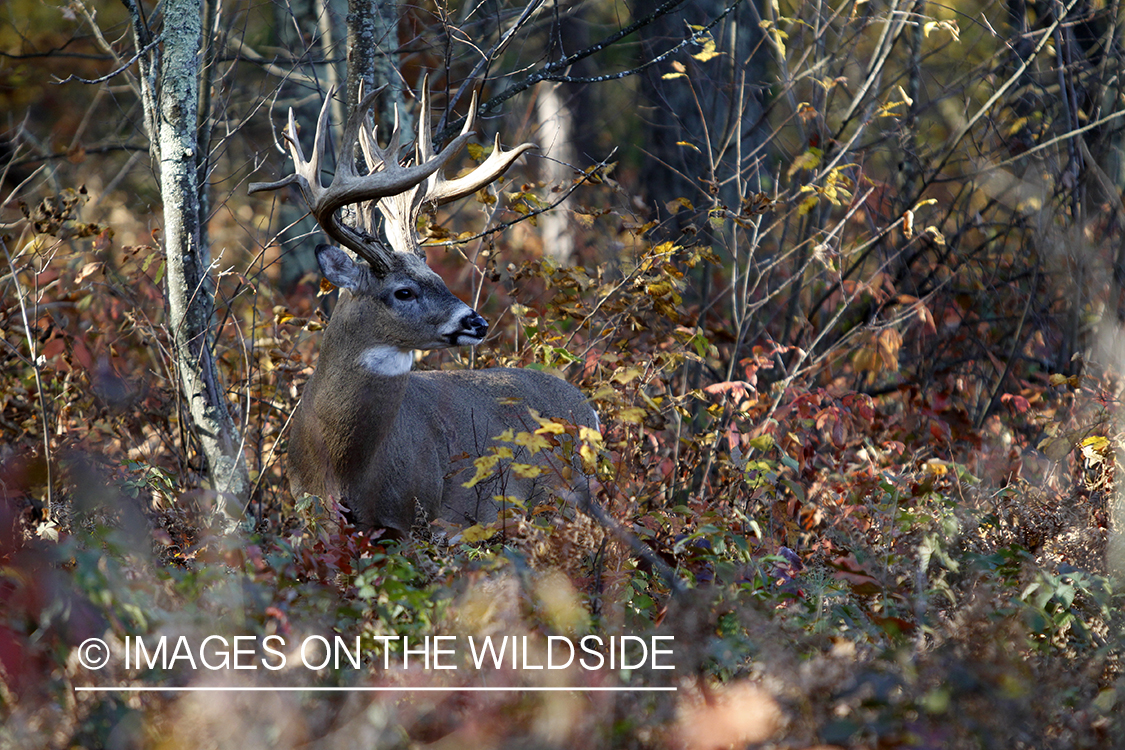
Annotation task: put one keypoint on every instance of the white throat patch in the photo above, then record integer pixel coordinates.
(388, 361)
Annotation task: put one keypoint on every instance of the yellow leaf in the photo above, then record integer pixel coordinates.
(809, 160)
(1071, 381)
(674, 206)
(708, 52)
(589, 435)
(509, 502)
(1015, 127)
(550, 427)
(1097, 442)
(589, 456)
(634, 414)
(948, 26)
(526, 471)
(485, 466)
(532, 442)
(808, 204)
(506, 436)
(477, 533)
(936, 468)
(762, 442)
(777, 36)
(627, 375)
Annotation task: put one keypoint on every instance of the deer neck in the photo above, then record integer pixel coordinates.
(360, 385)
(351, 347)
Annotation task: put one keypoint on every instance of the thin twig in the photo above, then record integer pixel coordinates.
(586, 176)
(124, 66)
(35, 365)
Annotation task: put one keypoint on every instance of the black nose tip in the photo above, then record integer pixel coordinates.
(474, 325)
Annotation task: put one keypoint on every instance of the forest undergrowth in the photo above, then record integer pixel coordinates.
(863, 564)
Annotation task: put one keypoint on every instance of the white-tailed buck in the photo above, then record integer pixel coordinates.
(387, 442)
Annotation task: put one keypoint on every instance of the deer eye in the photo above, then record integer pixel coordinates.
(404, 294)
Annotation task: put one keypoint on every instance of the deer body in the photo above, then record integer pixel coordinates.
(392, 444)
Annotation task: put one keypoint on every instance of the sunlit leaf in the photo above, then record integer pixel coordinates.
(532, 441)
(708, 52)
(477, 533)
(809, 161)
(526, 471)
(634, 414)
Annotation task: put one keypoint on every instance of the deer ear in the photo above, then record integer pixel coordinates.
(337, 266)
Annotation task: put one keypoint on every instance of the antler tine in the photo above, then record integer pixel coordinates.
(299, 176)
(401, 211)
(393, 179)
(348, 187)
(355, 131)
(439, 190)
(325, 202)
(380, 159)
(498, 162)
(309, 169)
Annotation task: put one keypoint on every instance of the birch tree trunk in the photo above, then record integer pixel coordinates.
(556, 140)
(177, 154)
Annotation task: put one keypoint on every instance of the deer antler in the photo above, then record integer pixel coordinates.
(401, 210)
(397, 191)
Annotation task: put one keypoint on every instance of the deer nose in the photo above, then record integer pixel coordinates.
(474, 325)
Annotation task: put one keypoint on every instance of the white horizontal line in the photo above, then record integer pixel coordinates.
(256, 689)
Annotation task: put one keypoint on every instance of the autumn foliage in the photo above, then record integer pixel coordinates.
(865, 408)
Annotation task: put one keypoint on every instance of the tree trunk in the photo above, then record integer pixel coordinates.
(373, 62)
(297, 21)
(373, 59)
(178, 155)
(556, 142)
(703, 109)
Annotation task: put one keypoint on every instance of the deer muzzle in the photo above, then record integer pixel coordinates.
(472, 332)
